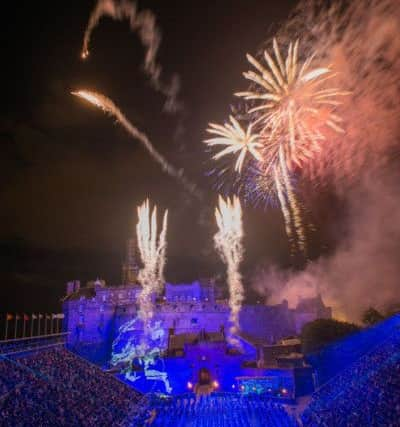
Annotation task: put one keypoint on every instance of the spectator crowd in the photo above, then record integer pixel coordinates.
(54, 387)
(367, 393)
(222, 410)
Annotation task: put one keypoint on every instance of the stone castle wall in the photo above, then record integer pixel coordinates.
(94, 314)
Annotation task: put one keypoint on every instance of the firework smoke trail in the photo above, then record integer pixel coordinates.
(284, 208)
(152, 250)
(228, 242)
(109, 107)
(144, 23)
(291, 197)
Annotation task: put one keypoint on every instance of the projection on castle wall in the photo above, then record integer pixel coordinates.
(141, 355)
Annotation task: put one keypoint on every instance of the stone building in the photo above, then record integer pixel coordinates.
(95, 313)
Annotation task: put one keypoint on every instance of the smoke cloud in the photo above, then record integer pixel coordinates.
(364, 269)
(360, 42)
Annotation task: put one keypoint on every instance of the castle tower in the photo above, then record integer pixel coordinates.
(130, 268)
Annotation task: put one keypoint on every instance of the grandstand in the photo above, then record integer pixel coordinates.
(367, 391)
(335, 357)
(53, 387)
(42, 383)
(222, 409)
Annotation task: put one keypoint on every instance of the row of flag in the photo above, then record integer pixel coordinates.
(54, 325)
(34, 316)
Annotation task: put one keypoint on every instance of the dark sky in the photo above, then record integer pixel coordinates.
(71, 177)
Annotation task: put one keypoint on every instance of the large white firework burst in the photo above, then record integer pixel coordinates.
(236, 139)
(291, 104)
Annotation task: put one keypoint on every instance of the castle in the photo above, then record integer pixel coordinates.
(94, 313)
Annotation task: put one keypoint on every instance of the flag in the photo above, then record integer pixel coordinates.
(40, 316)
(10, 317)
(17, 317)
(54, 316)
(60, 316)
(34, 316)
(26, 317)
(48, 316)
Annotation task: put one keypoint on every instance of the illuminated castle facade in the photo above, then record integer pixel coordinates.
(94, 313)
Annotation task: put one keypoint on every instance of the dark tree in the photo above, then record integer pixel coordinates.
(321, 332)
(371, 316)
(393, 310)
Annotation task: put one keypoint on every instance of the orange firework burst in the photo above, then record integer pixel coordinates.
(292, 105)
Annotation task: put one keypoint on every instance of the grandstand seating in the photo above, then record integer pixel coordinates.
(222, 410)
(367, 392)
(54, 387)
(51, 386)
(30, 343)
(337, 356)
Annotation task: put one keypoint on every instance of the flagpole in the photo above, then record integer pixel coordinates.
(38, 328)
(6, 331)
(51, 323)
(24, 326)
(32, 319)
(45, 324)
(16, 326)
(60, 322)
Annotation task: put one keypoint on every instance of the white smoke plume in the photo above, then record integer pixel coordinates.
(108, 106)
(363, 271)
(144, 24)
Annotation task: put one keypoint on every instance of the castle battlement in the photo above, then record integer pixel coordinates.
(94, 314)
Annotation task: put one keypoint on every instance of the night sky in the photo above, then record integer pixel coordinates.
(71, 177)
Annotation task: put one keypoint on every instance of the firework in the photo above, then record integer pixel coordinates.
(292, 102)
(144, 24)
(152, 249)
(108, 106)
(228, 242)
(236, 139)
(289, 105)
